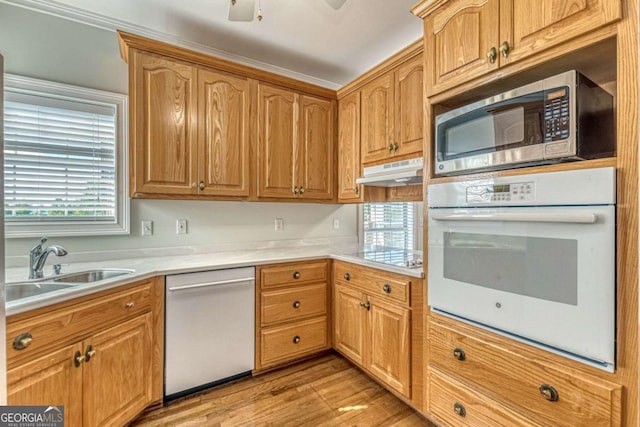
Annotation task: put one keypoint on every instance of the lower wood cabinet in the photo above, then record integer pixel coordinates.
(479, 378)
(377, 324)
(100, 358)
(291, 312)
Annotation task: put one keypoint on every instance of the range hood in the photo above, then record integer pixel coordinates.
(396, 174)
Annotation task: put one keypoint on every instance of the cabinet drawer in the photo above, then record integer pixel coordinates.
(293, 341)
(378, 283)
(446, 396)
(66, 325)
(511, 378)
(293, 303)
(293, 273)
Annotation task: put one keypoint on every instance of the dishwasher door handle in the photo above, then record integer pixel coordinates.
(209, 284)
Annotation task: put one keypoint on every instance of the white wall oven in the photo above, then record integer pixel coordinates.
(531, 257)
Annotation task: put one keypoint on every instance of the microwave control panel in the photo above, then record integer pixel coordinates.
(496, 194)
(556, 114)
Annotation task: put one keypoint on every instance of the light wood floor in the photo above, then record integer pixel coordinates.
(327, 391)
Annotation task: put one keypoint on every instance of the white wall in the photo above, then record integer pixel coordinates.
(46, 47)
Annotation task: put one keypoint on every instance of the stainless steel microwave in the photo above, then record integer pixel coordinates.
(560, 118)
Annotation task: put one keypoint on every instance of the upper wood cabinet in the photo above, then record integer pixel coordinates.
(349, 166)
(469, 38)
(163, 128)
(392, 113)
(198, 125)
(223, 133)
(295, 145)
(190, 129)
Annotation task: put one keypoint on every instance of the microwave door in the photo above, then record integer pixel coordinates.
(544, 274)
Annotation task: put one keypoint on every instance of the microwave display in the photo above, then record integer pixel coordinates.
(563, 117)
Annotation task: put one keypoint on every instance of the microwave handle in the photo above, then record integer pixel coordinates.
(575, 218)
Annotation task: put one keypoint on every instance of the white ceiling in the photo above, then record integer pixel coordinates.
(307, 37)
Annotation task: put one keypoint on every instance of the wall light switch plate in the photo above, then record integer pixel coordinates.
(279, 224)
(146, 228)
(181, 226)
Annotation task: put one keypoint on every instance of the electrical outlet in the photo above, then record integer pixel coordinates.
(181, 226)
(336, 224)
(146, 228)
(279, 224)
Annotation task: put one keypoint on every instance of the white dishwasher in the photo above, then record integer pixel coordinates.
(209, 329)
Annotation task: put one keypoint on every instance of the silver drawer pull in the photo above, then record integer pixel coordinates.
(549, 393)
(296, 304)
(130, 304)
(22, 341)
(296, 339)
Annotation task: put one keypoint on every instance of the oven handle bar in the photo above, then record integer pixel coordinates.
(208, 284)
(574, 218)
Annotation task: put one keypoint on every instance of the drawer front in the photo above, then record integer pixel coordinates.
(453, 404)
(520, 383)
(293, 303)
(378, 283)
(293, 273)
(64, 326)
(293, 341)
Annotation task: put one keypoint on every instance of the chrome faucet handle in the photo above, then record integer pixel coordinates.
(37, 249)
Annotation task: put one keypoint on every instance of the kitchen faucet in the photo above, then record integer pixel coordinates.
(38, 256)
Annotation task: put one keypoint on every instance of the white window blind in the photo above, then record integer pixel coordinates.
(61, 170)
(389, 224)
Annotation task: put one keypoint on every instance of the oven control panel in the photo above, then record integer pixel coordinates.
(497, 194)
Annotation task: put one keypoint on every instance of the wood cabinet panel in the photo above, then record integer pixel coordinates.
(410, 106)
(293, 274)
(76, 322)
(315, 149)
(52, 379)
(349, 320)
(382, 284)
(293, 341)
(515, 380)
(349, 149)
(530, 26)
(475, 410)
(377, 118)
(122, 358)
(277, 116)
(163, 125)
(464, 31)
(293, 303)
(390, 346)
(224, 134)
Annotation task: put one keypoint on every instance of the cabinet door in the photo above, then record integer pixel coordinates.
(314, 152)
(389, 346)
(163, 130)
(459, 36)
(349, 148)
(118, 377)
(409, 102)
(530, 26)
(51, 380)
(377, 118)
(277, 117)
(223, 139)
(349, 323)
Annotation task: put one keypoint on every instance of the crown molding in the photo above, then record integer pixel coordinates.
(54, 8)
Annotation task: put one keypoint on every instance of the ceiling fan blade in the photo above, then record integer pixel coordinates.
(336, 4)
(242, 10)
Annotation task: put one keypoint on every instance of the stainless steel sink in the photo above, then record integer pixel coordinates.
(14, 291)
(90, 276)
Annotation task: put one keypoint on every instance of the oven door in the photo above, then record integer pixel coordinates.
(543, 274)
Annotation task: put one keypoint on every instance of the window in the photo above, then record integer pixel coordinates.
(65, 163)
(390, 225)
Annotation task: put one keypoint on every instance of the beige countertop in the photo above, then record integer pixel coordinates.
(145, 267)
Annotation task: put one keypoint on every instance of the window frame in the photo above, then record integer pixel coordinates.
(69, 227)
